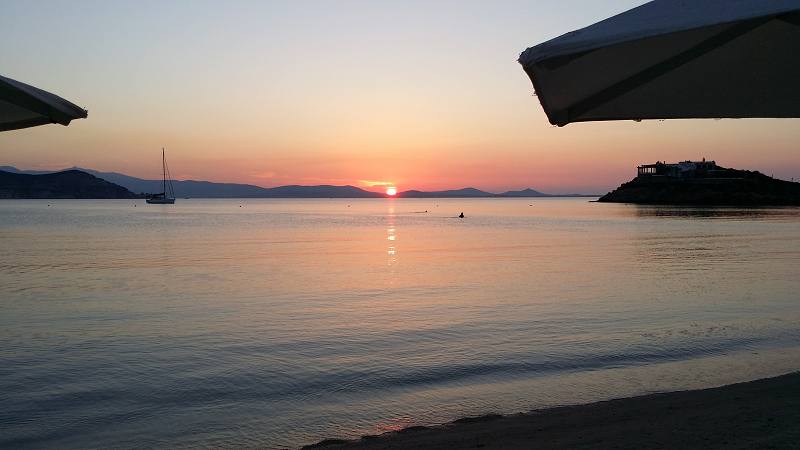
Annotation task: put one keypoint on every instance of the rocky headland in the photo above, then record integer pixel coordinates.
(718, 187)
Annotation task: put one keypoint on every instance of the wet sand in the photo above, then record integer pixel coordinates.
(754, 415)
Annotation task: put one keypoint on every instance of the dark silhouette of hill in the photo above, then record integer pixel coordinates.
(66, 184)
(477, 193)
(12, 169)
(727, 187)
(454, 193)
(322, 191)
(525, 193)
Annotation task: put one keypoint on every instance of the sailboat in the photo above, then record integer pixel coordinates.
(167, 196)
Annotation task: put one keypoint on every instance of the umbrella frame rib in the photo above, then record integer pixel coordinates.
(27, 123)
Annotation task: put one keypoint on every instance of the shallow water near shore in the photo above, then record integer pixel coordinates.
(277, 323)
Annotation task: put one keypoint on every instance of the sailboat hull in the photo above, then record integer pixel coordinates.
(160, 201)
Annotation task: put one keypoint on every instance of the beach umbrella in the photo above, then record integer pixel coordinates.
(23, 106)
(672, 59)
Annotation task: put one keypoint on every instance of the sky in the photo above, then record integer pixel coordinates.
(417, 94)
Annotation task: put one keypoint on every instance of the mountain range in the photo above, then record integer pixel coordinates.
(207, 189)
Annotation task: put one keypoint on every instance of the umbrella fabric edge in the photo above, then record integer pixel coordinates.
(52, 108)
(575, 42)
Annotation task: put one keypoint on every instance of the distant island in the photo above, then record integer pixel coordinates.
(66, 184)
(207, 189)
(703, 183)
(477, 193)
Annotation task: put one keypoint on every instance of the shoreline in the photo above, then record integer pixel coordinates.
(763, 413)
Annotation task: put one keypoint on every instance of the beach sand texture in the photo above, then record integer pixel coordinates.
(762, 414)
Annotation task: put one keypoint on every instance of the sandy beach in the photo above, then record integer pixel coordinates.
(758, 414)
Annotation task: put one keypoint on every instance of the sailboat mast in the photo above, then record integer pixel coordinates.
(164, 170)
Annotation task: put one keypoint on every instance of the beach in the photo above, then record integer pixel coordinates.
(758, 414)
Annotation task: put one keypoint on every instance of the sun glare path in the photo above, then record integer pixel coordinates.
(391, 190)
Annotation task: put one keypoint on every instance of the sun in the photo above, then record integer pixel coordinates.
(391, 191)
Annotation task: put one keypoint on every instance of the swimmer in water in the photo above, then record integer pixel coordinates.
(461, 216)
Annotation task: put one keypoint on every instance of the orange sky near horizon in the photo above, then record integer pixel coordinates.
(417, 95)
(584, 158)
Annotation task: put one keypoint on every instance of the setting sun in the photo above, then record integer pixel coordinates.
(391, 190)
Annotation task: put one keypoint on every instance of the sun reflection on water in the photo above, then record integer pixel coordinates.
(391, 236)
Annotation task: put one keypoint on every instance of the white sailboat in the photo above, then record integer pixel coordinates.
(167, 195)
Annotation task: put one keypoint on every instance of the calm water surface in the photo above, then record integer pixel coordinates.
(276, 323)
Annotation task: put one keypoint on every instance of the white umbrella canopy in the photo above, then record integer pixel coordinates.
(674, 59)
(23, 106)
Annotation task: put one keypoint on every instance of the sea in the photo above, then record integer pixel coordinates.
(274, 323)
